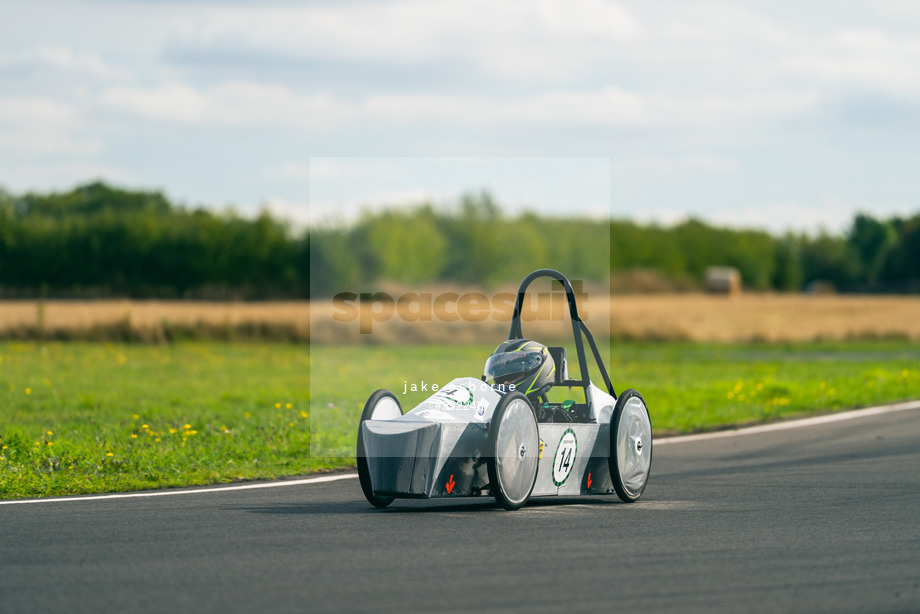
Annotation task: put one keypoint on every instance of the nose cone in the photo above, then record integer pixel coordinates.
(399, 455)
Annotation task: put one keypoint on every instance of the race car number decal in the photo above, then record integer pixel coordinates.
(565, 457)
(461, 395)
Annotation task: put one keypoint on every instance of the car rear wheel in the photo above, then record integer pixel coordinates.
(514, 451)
(630, 446)
(382, 405)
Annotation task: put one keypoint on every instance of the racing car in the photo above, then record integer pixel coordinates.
(499, 433)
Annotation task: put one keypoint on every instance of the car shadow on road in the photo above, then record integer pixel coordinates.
(489, 505)
(415, 506)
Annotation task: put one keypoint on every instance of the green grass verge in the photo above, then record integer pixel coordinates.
(82, 418)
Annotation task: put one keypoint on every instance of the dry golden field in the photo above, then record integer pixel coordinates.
(695, 317)
(152, 320)
(766, 317)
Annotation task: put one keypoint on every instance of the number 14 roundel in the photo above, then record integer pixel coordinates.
(565, 457)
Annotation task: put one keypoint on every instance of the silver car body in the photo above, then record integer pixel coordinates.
(439, 448)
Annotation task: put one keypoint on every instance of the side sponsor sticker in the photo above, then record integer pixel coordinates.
(482, 408)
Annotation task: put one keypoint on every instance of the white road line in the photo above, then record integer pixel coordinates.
(793, 424)
(192, 491)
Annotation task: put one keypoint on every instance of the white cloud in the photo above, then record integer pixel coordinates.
(34, 125)
(324, 168)
(19, 177)
(615, 107)
(666, 88)
(659, 166)
(26, 143)
(32, 110)
(779, 217)
(289, 171)
(723, 46)
(170, 102)
(60, 58)
(868, 59)
(253, 104)
(227, 104)
(549, 185)
(534, 38)
(711, 163)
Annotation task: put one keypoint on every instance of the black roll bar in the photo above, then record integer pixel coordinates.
(579, 329)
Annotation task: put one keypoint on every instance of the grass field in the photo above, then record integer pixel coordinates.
(85, 417)
(78, 417)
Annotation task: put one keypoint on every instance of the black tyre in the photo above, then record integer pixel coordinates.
(630, 446)
(514, 451)
(382, 405)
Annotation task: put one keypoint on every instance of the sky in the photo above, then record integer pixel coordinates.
(751, 113)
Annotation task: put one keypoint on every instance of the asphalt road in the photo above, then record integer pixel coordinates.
(820, 518)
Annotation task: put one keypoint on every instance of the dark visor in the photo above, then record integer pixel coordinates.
(511, 363)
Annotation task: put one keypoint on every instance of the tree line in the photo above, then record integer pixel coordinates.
(101, 241)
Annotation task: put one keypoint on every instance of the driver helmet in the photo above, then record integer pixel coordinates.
(524, 363)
